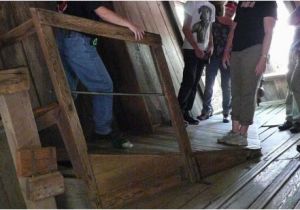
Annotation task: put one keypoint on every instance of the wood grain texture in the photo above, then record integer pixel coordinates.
(21, 135)
(39, 161)
(14, 80)
(45, 186)
(126, 178)
(93, 27)
(175, 113)
(33, 53)
(69, 124)
(17, 34)
(13, 56)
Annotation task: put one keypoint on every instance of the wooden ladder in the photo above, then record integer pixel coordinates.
(36, 167)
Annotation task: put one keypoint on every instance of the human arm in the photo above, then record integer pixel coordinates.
(227, 50)
(112, 17)
(187, 31)
(269, 23)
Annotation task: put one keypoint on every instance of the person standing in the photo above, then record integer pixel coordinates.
(292, 122)
(197, 48)
(249, 42)
(220, 31)
(81, 61)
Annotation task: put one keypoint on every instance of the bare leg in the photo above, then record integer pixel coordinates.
(236, 126)
(244, 130)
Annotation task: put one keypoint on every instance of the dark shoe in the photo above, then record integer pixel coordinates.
(225, 118)
(204, 116)
(189, 119)
(295, 128)
(117, 139)
(285, 126)
(298, 148)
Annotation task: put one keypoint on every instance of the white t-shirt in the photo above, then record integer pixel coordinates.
(203, 15)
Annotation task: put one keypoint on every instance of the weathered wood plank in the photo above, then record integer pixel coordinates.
(115, 172)
(10, 185)
(13, 56)
(126, 178)
(172, 198)
(288, 197)
(218, 184)
(275, 186)
(14, 109)
(17, 34)
(227, 194)
(33, 53)
(138, 191)
(36, 161)
(45, 186)
(47, 116)
(14, 80)
(93, 27)
(175, 113)
(245, 196)
(216, 161)
(68, 122)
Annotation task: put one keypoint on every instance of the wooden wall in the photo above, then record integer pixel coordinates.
(27, 52)
(153, 17)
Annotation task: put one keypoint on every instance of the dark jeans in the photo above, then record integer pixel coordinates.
(210, 76)
(193, 68)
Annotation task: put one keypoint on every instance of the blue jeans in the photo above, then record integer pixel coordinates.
(81, 61)
(210, 76)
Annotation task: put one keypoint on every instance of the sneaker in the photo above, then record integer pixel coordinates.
(117, 139)
(285, 126)
(238, 140)
(204, 116)
(295, 128)
(189, 119)
(225, 118)
(229, 135)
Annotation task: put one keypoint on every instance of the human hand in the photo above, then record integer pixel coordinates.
(226, 59)
(138, 33)
(199, 53)
(210, 51)
(261, 66)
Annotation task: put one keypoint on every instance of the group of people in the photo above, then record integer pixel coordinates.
(237, 47)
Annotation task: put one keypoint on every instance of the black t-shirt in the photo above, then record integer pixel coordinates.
(84, 9)
(250, 25)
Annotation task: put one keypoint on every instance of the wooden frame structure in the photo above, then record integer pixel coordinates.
(66, 117)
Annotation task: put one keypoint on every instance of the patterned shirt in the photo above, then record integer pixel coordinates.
(220, 33)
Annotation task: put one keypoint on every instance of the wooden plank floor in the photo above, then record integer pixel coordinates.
(203, 138)
(272, 181)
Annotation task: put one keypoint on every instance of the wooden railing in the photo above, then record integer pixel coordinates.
(41, 23)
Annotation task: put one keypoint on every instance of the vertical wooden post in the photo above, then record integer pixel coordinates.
(175, 113)
(19, 125)
(68, 121)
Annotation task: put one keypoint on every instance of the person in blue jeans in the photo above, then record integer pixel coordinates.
(220, 31)
(82, 62)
